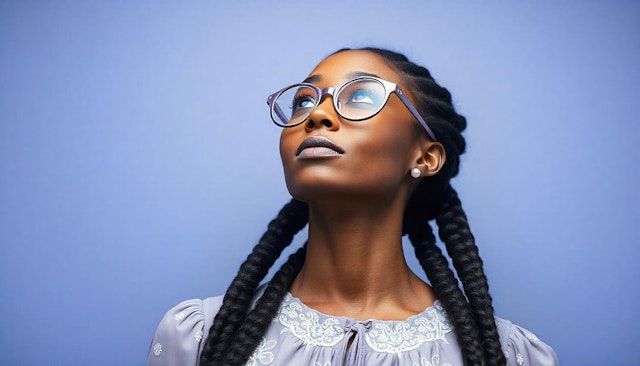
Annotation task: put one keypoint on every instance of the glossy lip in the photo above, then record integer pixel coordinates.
(318, 141)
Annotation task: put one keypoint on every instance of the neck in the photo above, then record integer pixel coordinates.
(355, 264)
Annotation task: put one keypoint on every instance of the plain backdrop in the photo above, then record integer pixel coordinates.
(138, 163)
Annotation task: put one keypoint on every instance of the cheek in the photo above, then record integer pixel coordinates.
(386, 148)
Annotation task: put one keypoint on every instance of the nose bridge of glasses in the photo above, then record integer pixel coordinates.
(324, 92)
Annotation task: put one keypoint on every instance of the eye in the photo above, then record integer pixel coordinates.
(364, 97)
(302, 102)
(361, 96)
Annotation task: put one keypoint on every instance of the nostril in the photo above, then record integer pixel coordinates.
(326, 123)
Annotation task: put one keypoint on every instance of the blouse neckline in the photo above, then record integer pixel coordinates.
(388, 336)
(435, 307)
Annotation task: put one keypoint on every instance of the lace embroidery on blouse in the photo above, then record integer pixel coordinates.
(384, 336)
(532, 337)
(428, 326)
(157, 349)
(263, 353)
(306, 326)
(435, 361)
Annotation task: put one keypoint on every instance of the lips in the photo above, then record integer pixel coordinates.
(318, 146)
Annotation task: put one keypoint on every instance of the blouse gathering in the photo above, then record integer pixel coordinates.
(299, 335)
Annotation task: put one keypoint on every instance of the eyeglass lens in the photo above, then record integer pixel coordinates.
(356, 100)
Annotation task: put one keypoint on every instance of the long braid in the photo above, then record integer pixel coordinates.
(239, 296)
(258, 320)
(456, 234)
(446, 287)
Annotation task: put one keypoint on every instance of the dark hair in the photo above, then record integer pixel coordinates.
(237, 328)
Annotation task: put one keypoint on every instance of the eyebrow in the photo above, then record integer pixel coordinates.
(312, 79)
(316, 78)
(356, 74)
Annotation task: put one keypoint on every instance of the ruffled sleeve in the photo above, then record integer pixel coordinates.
(180, 335)
(523, 348)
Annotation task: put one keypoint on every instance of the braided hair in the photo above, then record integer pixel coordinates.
(238, 327)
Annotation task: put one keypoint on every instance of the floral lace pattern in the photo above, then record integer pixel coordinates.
(428, 326)
(180, 316)
(435, 361)
(532, 337)
(263, 353)
(157, 349)
(318, 329)
(306, 325)
(198, 336)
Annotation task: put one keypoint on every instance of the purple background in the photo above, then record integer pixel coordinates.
(138, 164)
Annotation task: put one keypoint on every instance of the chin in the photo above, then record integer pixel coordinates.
(314, 192)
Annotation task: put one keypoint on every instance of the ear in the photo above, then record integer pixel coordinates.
(431, 159)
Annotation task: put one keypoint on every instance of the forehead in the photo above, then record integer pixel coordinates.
(337, 68)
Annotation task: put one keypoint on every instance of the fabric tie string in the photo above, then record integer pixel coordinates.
(353, 354)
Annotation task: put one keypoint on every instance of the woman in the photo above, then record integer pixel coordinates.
(364, 167)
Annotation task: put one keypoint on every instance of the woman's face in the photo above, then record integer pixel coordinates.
(369, 158)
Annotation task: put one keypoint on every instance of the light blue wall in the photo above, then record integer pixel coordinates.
(138, 164)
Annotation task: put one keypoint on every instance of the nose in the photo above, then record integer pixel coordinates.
(323, 115)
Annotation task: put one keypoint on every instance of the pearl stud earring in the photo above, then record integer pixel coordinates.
(416, 173)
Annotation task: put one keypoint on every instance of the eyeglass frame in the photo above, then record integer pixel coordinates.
(388, 86)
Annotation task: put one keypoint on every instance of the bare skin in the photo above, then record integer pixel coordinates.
(355, 265)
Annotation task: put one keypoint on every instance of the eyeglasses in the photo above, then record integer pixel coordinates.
(356, 100)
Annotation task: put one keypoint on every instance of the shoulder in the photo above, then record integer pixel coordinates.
(181, 333)
(521, 347)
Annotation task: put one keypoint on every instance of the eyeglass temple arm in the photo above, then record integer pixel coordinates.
(415, 113)
(276, 108)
